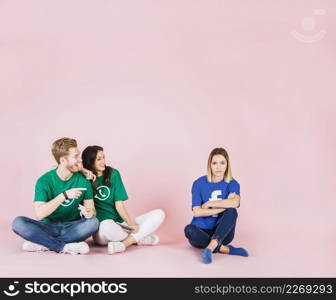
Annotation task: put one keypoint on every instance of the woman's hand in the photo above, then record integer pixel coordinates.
(206, 204)
(88, 174)
(86, 212)
(135, 228)
(232, 196)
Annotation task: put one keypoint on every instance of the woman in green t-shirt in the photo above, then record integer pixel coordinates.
(117, 229)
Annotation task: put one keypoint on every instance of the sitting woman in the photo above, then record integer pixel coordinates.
(215, 198)
(117, 229)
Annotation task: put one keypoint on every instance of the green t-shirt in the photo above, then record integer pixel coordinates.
(50, 185)
(106, 197)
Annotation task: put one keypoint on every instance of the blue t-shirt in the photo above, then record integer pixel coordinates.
(203, 191)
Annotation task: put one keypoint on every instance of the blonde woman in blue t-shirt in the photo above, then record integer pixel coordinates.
(215, 198)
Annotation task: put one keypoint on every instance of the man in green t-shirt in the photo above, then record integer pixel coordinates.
(59, 195)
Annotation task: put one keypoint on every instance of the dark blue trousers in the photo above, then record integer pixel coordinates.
(223, 232)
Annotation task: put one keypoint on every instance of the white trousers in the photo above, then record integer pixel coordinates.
(110, 231)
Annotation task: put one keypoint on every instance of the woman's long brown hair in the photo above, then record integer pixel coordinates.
(89, 156)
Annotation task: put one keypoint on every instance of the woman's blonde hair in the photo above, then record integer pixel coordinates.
(227, 173)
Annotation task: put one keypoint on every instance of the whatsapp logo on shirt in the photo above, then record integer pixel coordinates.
(67, 202)
(103, 192)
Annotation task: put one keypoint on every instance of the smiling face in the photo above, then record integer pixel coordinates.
(99, 163)
(72, 161)
(218, 166)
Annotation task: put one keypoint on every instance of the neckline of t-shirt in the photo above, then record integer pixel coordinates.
(59, 178)
(218, 181)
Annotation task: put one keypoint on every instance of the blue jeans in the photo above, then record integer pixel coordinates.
(223, 232)
(54, 235)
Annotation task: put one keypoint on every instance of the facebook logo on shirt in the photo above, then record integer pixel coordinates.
(203, 191)
(214, 197)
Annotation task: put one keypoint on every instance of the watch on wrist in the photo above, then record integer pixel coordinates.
(65, 195)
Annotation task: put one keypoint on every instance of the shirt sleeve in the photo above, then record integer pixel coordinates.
(89, 191)
(234, 187)
(41, 193)
(120, 193)
(196, 195)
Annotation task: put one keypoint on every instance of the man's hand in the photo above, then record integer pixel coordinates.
(75, 193)
(88, 174)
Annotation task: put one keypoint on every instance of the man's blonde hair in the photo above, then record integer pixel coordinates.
(61, 147)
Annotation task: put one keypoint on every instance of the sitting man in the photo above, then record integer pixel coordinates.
(58, 194)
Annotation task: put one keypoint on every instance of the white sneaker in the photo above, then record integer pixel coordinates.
(115, 247)
(76, 248)
(32, 247)
(151, 239)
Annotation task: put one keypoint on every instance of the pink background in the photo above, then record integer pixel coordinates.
(159, 84)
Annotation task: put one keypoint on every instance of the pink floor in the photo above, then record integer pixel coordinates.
(270, 257)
